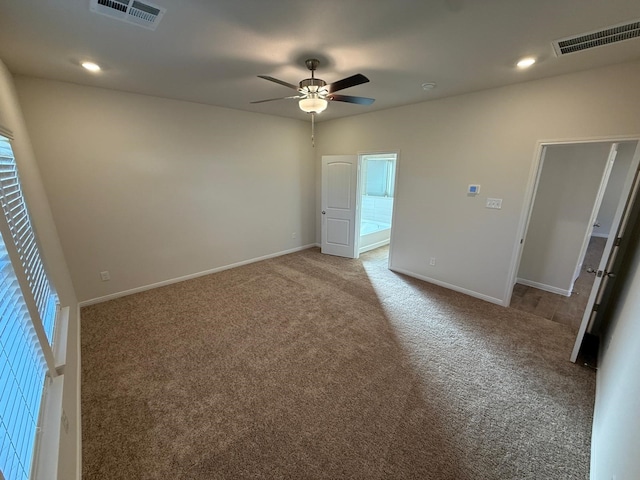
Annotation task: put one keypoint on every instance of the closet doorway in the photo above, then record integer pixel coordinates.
(573, 228)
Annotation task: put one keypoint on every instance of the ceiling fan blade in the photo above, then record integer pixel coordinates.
(281, 82)
(351, 81)
(350, 99)
(279, 98)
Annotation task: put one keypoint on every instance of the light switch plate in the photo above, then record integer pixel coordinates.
(495, 203)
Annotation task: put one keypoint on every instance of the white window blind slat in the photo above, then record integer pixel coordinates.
(23, 366)
(22, 385)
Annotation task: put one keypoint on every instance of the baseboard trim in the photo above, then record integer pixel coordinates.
(542, 286)
(113, 296)
(450, 286)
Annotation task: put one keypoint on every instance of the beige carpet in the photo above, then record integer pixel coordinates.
(316, 367)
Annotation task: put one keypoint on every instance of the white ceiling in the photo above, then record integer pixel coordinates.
(210, 51)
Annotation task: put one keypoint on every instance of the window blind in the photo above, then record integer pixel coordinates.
(28, 307)
(379, 175)
(15, 211)
(22, 372)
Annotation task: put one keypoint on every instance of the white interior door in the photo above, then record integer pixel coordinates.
(605, 273)
(613, 152)
(339, 205)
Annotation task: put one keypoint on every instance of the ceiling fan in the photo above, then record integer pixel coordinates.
(314, 94)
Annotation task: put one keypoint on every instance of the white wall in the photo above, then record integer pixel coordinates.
(11, 118)
(152, 189)
(614, 187)
(561, 215)
(616, 422)
(488, 138)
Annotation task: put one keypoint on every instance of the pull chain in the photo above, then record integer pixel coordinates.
(313, 129)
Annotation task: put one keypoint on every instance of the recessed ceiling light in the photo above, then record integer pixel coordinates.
(92, 67)
(428, 86)
(526, 62)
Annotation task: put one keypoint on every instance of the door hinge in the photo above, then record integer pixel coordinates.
(618, 240)
(521, 240)
(596, 306)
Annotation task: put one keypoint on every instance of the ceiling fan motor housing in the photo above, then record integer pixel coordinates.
(312, 82)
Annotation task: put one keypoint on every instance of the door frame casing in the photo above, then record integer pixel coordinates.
(530, 193)
(361, 153)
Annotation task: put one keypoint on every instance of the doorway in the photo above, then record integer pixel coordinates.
(357, 203)
(377, 177)
(577, 201)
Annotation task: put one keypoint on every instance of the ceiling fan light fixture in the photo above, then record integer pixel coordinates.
(313, 104)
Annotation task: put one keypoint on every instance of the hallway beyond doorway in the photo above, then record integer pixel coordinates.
(558, 308)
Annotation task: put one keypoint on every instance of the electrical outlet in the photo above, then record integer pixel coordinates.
(294, 235)
(104, 276)
(432, 261)
(494, 203)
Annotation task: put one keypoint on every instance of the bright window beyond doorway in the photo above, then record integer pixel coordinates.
(377, 187)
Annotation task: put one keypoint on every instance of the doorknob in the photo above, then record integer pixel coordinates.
(597, 273)
(323, 212)
(600, 272)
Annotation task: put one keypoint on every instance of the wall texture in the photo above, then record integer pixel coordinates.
(11, 118)
(616, 423)
(151, 189)
(489, 138)
(560, 219)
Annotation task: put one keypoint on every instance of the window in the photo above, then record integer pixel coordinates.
(379, 174)
(28, 308)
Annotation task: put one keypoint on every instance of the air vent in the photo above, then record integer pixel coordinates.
(614, 34)
(139, 13)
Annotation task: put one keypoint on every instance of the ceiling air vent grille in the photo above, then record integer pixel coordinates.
(139, 13)
(614, 34)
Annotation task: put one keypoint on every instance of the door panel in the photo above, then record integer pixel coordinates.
(339, 201)
(339, 185)
(596, 208)
(338, 231)
(606, 274)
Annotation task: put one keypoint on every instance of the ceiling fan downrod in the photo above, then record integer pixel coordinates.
(312, 64)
